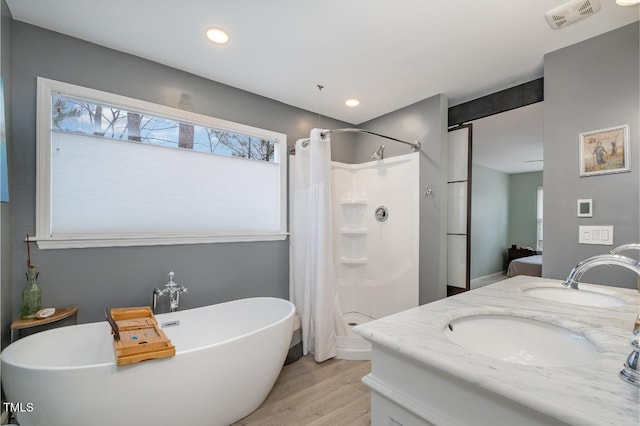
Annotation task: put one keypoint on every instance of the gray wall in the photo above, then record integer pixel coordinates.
(523, 196)
(489, 220)
(588, 86)
(108, 277)
(6, 287)
(425, 121)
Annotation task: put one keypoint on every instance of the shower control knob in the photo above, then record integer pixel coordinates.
(382, 214)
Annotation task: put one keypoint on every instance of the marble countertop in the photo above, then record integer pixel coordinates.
(588, 394)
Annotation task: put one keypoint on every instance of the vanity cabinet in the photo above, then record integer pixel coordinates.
(421, 377)
(409, 393)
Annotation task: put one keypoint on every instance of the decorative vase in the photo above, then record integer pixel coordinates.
(30, 295)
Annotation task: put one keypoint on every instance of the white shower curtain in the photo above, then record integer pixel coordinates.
(313, 279)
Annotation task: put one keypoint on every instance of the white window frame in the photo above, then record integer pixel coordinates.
(539, 218)
(47, 88)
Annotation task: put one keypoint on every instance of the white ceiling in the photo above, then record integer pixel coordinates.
(387, 53)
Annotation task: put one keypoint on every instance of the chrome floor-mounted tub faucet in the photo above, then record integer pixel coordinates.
(173, 290)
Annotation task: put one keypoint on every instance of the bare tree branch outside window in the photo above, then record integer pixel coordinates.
(78, 116)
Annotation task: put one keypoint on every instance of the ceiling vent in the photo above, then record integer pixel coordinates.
(571, 12)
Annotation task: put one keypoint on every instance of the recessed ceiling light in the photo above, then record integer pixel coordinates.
(627, 2)
(217, 36)
(352, 102)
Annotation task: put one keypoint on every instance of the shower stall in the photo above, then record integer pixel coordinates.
(354, 242)
(375, 242)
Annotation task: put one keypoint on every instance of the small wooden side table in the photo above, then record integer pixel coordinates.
(58, 315)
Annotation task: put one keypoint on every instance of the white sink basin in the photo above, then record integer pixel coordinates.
(575, 297)
(521, 340)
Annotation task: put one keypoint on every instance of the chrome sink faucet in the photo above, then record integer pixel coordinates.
(631, 371)
(173, 290)
(625, 247)
(603, 259)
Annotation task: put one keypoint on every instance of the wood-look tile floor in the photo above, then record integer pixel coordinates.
(324, 394)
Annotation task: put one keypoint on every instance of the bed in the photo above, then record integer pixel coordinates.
(529, 265)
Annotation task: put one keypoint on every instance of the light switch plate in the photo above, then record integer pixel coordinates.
(601, 235)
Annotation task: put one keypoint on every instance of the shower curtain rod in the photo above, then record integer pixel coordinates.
(415, 145)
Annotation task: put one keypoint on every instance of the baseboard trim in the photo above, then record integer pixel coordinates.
(474, 282)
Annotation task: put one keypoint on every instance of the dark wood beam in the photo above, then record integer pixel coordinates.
(495, 103)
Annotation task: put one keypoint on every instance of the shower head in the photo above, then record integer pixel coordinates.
(378, 154)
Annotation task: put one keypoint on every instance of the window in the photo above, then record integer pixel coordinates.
(115, 171)
(540, 197)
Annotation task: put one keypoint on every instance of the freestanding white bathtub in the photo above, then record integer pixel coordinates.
(228, 356)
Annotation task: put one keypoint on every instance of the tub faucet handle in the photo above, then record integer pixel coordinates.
(171, 283)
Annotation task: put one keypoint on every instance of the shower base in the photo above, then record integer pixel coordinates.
(353, 347)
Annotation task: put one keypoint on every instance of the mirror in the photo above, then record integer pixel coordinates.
(507, 153)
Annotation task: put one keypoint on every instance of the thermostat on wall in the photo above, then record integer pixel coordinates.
(585, 207)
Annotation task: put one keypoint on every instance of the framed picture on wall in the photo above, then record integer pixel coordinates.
(604, 151)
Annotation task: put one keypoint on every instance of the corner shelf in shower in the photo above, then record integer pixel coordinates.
(354, 202)
(354, 260)
(354, 231)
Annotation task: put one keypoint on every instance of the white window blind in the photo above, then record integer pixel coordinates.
(97, 191)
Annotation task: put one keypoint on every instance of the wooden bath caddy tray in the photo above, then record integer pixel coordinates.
(137, 336)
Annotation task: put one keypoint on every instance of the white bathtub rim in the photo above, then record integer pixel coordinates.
(18, 364)
(289, 314)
